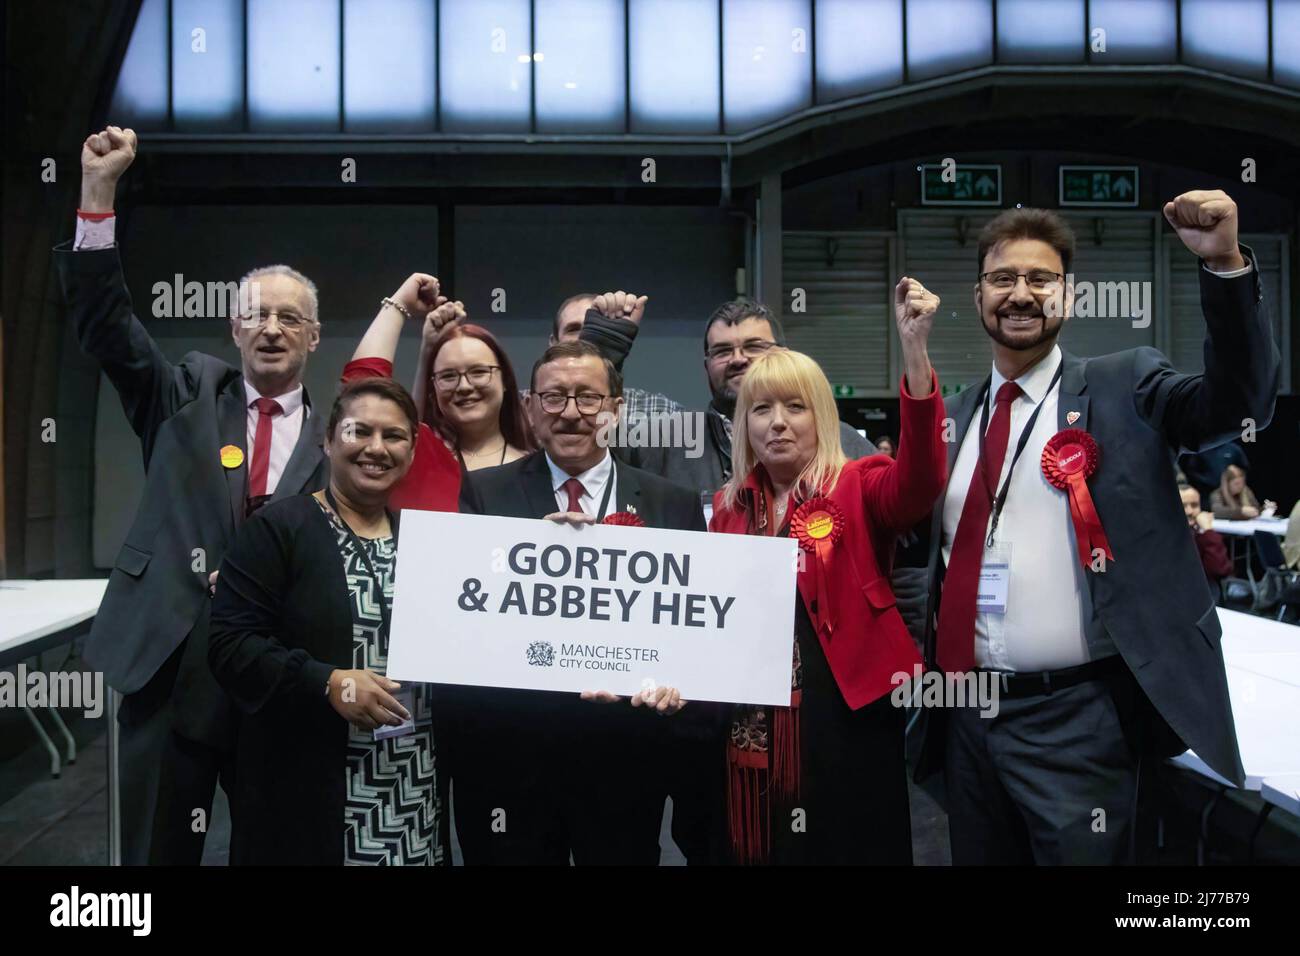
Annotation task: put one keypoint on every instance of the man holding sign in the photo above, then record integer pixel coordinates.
(540, 775)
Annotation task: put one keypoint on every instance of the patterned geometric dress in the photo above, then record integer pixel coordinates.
(393, 815)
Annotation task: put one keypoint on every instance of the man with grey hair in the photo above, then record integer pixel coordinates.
(218, 442)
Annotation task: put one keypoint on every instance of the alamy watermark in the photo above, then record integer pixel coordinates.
(70, 690)
(179, 299)
(1104, 300)
(659, 430)
(980, 689)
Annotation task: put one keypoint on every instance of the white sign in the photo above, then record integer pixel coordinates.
(513, 602)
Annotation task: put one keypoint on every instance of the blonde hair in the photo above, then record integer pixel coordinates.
(785, 374)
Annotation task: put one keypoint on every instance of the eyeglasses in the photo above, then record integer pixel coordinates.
(1039, 280)
(752, 349)
(554, 403)
(448, 380)
(288, 320)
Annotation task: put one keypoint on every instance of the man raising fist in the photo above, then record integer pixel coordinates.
(1066, 567)
(218, 441)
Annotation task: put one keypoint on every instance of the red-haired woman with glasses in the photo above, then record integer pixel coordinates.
(470, 413)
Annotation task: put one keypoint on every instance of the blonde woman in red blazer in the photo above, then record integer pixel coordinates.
(823, 780)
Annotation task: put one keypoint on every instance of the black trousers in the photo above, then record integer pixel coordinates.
(166, 782)
(540, 788)
(1050, 779)
(187, 784)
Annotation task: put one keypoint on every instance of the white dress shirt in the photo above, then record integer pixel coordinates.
(1049, 621)
(285, 428)
(593, 481)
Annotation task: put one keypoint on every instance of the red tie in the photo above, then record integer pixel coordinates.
(961, 584)
(574, 487)
(261, 464)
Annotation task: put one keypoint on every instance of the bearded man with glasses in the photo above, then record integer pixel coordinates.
(1061, 571)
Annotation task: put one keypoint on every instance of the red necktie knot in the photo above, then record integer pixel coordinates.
(1008, 393)
(269, 406)
(575, 491)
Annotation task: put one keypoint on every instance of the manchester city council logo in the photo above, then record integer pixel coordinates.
(541, 653)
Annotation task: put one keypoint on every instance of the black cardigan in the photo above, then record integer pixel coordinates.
(281, 622)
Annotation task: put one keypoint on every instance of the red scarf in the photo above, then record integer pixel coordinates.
(763, 747)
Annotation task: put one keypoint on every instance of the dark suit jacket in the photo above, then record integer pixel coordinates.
(281, 622)
(183, 413)
(1152, 597)
(522, 489)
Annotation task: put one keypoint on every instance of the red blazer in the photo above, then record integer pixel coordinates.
(861, 632)
(433, 483)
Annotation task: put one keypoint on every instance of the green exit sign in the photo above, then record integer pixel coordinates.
(947, 185)
(1099, 186)
(843, 391)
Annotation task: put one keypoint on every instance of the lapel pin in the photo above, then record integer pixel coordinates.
(232, 456)
(1071, 417)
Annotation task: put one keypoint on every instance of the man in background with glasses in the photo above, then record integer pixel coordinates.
(735, 334)
(218, 441)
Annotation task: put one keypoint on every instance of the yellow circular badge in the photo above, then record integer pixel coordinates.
(819, 525)
(232, 456)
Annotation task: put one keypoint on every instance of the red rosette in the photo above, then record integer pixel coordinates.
(818, 525)
(1070, 458)
(625, 518)
(815, 521)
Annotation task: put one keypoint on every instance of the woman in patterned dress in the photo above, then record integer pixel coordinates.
(335, 762)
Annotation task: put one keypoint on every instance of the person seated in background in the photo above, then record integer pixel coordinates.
(885, 445)
(836, 753)
(335, 762)
(471, 415)
(1203, 471)
(1209, 543)
(1234, 501)
(1291, 543)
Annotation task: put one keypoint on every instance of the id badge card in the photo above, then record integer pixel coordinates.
(406, 697)
(995, 581)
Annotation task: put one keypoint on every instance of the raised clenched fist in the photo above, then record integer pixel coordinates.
(104, 158)
(914, 308)
(621, 305)
(419, 294)
(445, 314)
(1206, 222)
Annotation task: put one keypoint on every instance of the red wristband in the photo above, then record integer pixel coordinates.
(95, 216)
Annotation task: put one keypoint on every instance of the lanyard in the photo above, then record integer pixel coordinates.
(1000, 501)
(609, 489)
(365, 555)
